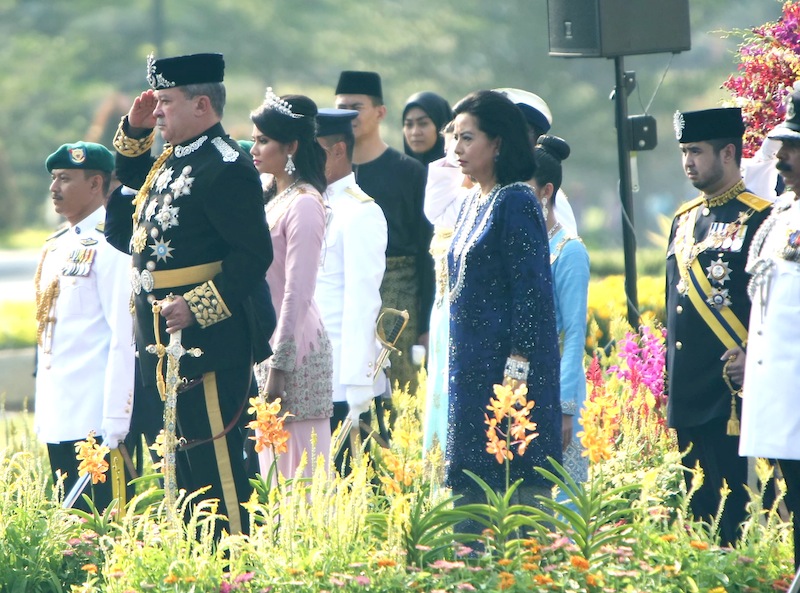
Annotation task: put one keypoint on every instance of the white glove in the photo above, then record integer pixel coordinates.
(359, 398)
(114, 431)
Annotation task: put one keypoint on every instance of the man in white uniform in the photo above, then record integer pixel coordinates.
(85, 357)
(351, 270)
(770, 414)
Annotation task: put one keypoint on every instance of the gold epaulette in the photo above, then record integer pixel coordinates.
(358, 194)
(58, 233)
(100, 227)
(753, 201)
(689, 205)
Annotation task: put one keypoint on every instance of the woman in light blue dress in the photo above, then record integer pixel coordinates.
(569, 262)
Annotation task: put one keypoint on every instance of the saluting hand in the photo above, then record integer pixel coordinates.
(177, 314)
(141, 116)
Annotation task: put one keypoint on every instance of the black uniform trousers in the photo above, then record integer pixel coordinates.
(210, 418)
(790, 468)
(718, 455)
(62, 458)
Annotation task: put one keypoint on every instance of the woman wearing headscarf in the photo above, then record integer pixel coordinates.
(300, 370)
(424, 117)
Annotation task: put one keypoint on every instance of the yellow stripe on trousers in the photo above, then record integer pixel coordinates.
(221, 453)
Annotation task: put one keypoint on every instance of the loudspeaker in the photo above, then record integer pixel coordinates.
(610, 28)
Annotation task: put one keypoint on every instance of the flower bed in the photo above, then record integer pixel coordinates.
(388, 526)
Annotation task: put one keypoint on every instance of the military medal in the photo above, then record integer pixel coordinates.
(791, 251)
(147, 280)
(136, 281)
(162, 250)
(163, 180)
(79, 262)
(151, 209)
(719, 298)
(719, 271)
(182, 186)
(139, 239)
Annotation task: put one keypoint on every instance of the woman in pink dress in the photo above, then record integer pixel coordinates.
(301, 368)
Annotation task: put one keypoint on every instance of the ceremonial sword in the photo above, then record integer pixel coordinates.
(388, 339)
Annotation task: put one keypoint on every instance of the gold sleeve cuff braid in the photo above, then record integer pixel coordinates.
(132, 147)
(206, 305)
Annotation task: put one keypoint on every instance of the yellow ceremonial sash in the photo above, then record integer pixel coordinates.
(723, 321)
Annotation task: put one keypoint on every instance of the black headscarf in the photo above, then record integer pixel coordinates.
(438, 109)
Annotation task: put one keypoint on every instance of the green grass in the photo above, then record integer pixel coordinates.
(24, 238)
(17, 324)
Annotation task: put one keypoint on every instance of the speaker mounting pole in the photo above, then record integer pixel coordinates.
(625, 189)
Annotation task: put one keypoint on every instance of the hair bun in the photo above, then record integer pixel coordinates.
(555, 146)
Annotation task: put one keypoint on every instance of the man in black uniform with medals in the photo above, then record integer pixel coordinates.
(201, 249)
(708, 310)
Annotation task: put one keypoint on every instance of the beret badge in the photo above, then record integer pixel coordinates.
(679, 124)
(155, 79)
(77, 155)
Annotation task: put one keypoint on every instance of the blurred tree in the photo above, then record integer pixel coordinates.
(71, 69)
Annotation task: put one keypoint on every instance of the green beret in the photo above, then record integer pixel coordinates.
(81, 155)
(245, 145)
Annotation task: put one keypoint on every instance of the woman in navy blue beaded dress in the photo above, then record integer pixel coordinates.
(502, 324)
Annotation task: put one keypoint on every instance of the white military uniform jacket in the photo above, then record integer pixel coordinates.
(85, 359)
(770, 410)
(348, 283)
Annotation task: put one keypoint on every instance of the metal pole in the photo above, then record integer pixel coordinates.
(625, 192)
(158, 27)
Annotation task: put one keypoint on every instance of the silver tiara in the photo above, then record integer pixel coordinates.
(273, 101)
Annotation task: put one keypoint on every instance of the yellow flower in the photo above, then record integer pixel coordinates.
(171, 579)
(510, 408)
(92, 459)
(268, 425)
(386, 562)
(542, 579)
(507, 580)
(698, 545)
(504, 562)
(90, 568)
(594, 580)
(579, 562)
(718, 590)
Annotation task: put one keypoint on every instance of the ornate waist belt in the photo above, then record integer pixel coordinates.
(148, 281)
(398, 262)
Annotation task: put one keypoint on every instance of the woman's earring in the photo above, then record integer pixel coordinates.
(289, 168)
(544, 208)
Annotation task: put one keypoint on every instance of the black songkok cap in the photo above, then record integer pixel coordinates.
(182, 70)
(789, 129)
(335, 121)
(353, 82)
(708, 124)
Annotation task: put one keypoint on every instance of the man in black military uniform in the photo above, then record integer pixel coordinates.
(201, 249)
(708, 309)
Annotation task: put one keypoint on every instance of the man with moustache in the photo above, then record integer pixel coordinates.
(85, 355)
(708, 308)
(200, 248)
(770, 414)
